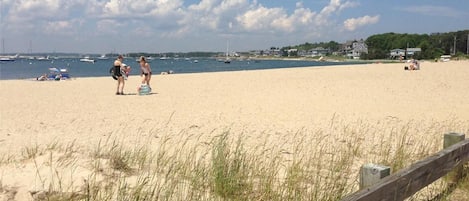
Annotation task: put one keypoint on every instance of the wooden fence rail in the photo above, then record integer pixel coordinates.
(408, 181)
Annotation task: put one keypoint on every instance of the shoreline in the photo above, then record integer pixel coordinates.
(334, 64)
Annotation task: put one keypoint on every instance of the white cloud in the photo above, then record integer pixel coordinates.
(162, 19)
(204, 5)
(172, 16)
(260, 18)
(353, 23)
(25, 10)
(61, 27)
(335, 6)
(140, 8)
(109, 26)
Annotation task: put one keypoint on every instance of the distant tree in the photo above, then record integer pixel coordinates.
(433, 45)
(380, 45)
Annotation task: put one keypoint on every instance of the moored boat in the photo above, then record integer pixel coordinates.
(87, 59)
(9, 58)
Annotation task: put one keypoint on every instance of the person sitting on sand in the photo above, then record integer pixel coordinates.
(167, 72)
(58, 77)
(43, 77)
(414, 65)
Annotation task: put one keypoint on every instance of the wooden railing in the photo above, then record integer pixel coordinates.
(408, 181)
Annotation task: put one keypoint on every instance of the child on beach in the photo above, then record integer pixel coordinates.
(125, 70)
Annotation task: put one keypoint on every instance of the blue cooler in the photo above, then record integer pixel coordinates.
(144, 90)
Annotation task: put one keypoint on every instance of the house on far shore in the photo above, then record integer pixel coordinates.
(397, 53)
(412, 51)
(354, 49)
(407, 53)
(292, 52)
(319, 51)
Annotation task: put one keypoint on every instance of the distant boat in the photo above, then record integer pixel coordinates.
(87, 59)
(103, 57)
(46, 58)
(227, 59)
(164, 58)
(6, 59)
(9, 58)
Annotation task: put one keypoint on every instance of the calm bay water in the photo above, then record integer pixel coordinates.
(27, 69)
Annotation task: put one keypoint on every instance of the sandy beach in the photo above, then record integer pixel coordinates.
(256, 103)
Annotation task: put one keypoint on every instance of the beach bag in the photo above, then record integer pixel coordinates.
(124, 73)
(111, 71)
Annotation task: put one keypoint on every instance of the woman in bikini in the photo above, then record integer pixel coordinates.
(145, 71)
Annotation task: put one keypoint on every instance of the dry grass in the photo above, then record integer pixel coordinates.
(319, 164)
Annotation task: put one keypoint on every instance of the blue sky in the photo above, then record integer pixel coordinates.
(121, 26)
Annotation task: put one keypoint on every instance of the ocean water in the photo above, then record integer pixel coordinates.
(27, 68)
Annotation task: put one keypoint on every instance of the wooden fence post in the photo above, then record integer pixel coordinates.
(452, 138)
(407, 181)
(371, 174)
(449, 140)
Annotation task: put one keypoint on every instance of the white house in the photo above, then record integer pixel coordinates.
(354, 49)
(292, 52)
(396, 53)
(412, 51)
(319, 51)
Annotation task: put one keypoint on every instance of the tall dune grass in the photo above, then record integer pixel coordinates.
(307, 164)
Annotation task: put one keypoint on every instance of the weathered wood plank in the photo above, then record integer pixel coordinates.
(450, 139)
(408, 181)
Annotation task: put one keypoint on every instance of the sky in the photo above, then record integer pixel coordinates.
(156, 26)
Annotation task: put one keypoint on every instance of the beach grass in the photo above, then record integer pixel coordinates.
(320, 164)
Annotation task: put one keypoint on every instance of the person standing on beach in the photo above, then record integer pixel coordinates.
(117, 73)
(145, 71)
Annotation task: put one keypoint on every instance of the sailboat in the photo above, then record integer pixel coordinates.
(8, 58)
(227, 59)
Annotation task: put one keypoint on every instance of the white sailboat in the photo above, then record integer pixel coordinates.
(8, 58)
(4, 57)
(227, 59)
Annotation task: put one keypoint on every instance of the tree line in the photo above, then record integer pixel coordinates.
(379, 45)
(432, 45)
